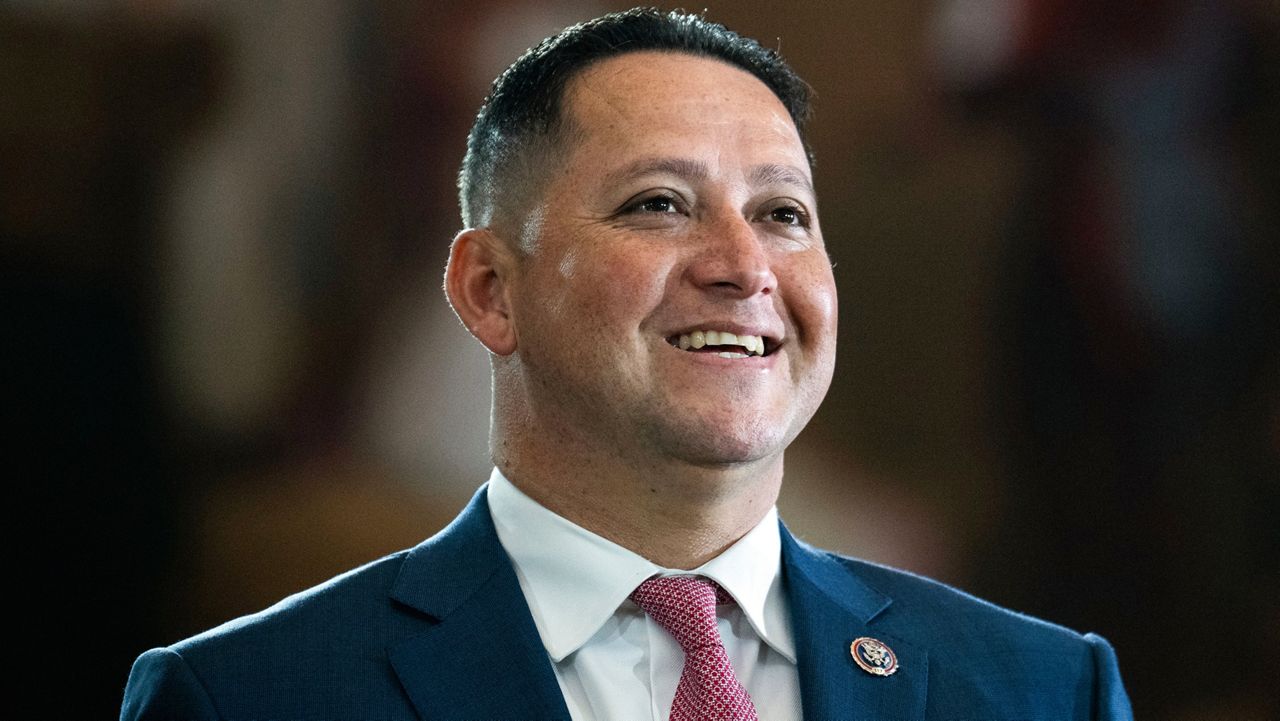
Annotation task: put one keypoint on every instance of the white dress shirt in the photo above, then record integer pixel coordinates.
(612, 661)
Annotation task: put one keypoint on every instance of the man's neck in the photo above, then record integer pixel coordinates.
(677, 516)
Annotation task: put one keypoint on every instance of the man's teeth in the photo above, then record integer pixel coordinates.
(753, 344)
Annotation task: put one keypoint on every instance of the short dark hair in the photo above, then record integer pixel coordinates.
(522, 118)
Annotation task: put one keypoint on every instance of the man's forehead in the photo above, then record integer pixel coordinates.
(659, 79)
(621, 99)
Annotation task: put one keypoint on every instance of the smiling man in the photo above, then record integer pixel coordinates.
(644, 262)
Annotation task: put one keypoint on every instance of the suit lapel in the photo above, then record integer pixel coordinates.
(830, 607)
(483, 657)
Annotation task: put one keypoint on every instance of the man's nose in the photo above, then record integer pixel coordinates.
(732, 260)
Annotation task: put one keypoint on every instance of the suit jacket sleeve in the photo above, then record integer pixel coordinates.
(162, 686)
(1110, 702)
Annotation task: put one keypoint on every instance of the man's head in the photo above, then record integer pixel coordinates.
(521, 128)
(666, 300)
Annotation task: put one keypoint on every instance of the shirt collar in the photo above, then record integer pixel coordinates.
(574, 580)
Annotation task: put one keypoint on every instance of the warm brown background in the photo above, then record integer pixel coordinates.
(230, 373)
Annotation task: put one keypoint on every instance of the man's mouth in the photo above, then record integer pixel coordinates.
(723, 343)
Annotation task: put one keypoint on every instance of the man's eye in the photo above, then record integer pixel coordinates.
(657, 204)
(790, 215)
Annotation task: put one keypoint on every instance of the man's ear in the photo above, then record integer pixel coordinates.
(481, 267)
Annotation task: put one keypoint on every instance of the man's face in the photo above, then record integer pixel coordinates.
(684, 208)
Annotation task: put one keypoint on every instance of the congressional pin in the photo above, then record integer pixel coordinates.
(873, 656)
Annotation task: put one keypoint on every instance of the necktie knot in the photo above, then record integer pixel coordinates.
(685, 606)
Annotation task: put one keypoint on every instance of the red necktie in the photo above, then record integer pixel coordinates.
(686, 607)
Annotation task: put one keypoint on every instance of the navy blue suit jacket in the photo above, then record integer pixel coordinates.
(442, 631)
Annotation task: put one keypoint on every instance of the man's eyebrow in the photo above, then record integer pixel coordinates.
(773, 173)
(679, 167)
(766, 174)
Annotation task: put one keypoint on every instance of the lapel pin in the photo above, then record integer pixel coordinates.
(873, 656)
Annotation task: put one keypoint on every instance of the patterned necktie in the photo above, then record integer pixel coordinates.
(686, 607)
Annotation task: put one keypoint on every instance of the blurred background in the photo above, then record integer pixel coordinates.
(230, 372)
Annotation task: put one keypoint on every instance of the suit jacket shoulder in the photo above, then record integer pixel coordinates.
(962, 657)
(440, 631)
(306, 656)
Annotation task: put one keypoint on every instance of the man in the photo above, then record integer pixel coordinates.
(644, 262)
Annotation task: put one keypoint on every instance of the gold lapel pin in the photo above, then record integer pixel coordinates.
(873, 656)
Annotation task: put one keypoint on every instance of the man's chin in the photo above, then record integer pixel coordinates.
(726, 448)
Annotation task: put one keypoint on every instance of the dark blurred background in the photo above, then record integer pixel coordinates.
(230, 373)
